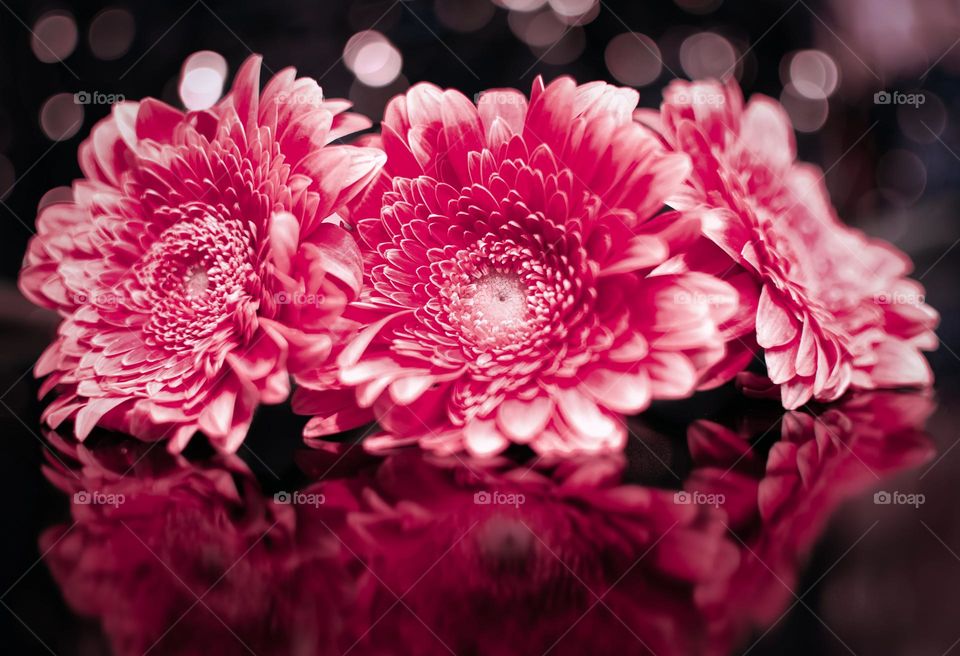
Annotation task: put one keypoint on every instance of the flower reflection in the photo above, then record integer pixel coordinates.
(180, 559)
(417, 553)
(780, 506)
(561, 554)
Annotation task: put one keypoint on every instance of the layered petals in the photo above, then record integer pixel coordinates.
(833, 308)
(519, 285)
(196, 249)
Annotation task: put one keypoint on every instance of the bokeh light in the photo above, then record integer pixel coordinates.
(521, 5)
(707, 55)
(111, 33)
(633, 59)
(581, 19)
(62, 194)
(356, 42)
(201, 79)
(812, 73)
(54, 37)
(807, 114)
(573, 8)
(537, 30)
(61, 116)
(372, 58)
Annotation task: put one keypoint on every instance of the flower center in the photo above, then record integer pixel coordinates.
(500, 300)
(490, 308)
(194, 277)
(196, 282)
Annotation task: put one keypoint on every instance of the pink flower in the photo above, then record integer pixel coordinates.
(194, 252)
(835, 309)
(511, 283)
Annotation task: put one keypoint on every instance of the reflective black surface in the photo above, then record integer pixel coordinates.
(700, 539)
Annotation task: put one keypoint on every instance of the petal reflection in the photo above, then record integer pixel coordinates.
(428, 554)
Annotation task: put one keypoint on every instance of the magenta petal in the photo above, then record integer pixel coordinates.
(157, 120)
(336, 251)
(775, 326)
(781, 363)
(521, 420)
(482, 438)
(408, 389)
(246, 86)
(795, 394)
(216, 418)
(626, 392)
(642, 252)
(583, 414)
(900, 365)
(672, 376)
(92, 412)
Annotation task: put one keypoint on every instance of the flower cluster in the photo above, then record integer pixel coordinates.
(519, 270)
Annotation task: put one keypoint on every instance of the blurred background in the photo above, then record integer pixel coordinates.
(872, 87)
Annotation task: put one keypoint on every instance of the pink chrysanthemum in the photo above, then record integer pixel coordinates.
(511, 291)
(194, 252)
(835, 309)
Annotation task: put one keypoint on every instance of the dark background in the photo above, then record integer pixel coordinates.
(893, 171)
